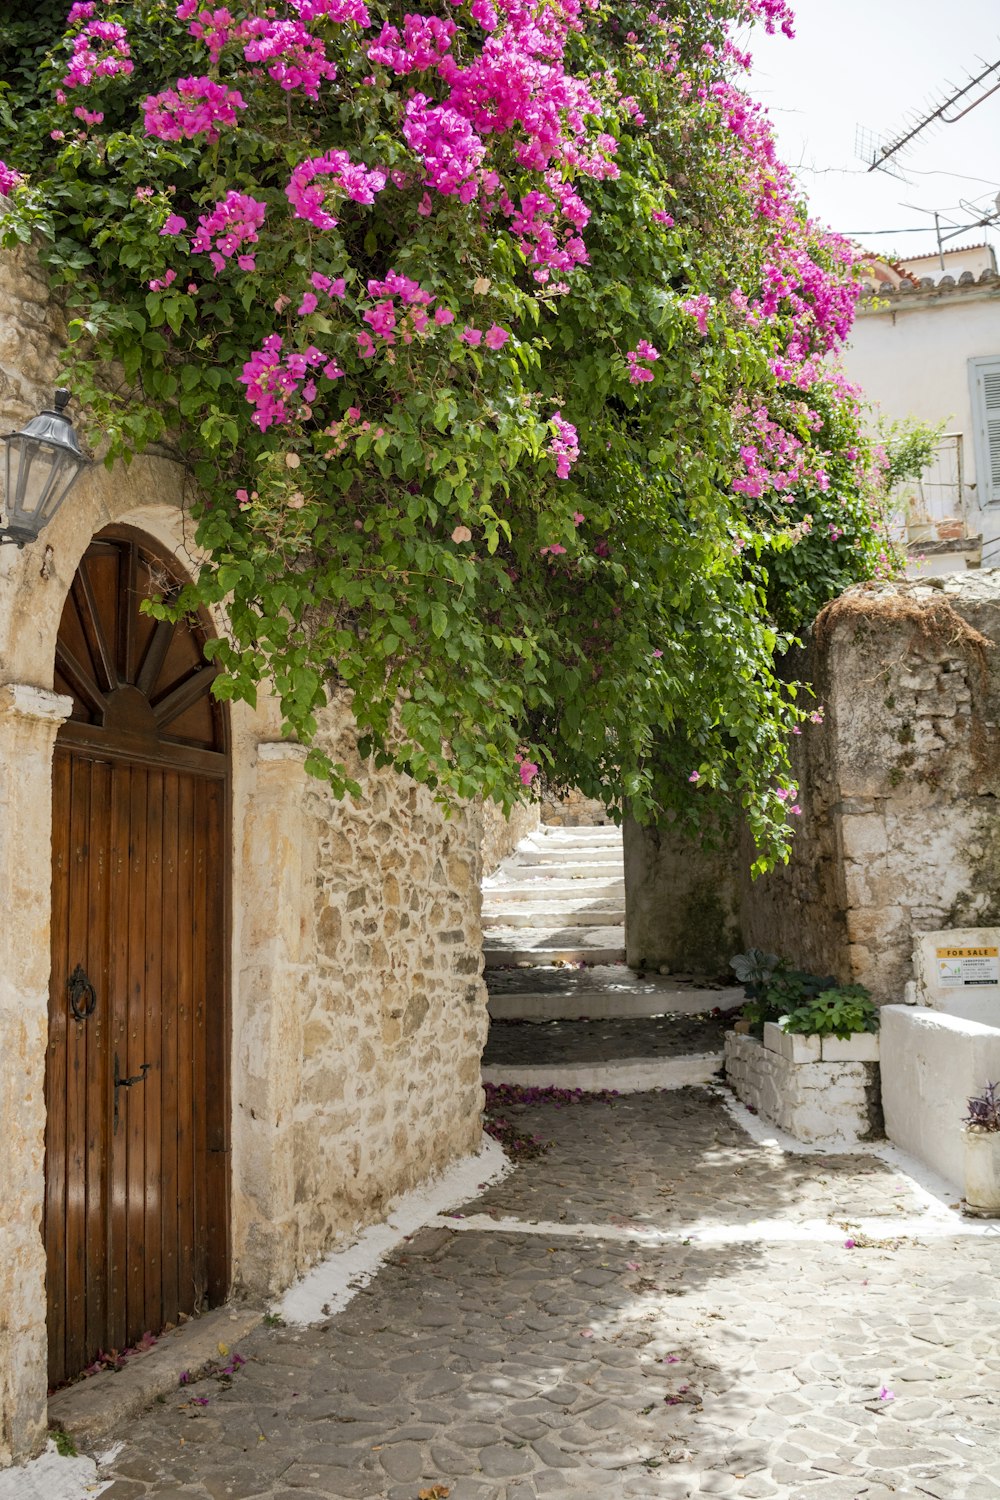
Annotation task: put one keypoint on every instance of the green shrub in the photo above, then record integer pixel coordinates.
(841, 1011)
(773, 988)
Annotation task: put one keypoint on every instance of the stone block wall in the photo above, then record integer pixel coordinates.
(816, 1102)
(502, 834)
(900, 831)
(395, 1017)
(565, 807)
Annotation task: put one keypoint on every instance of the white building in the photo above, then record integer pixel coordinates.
(926, 344)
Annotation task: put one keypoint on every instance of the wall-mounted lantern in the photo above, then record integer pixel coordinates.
(43, 463)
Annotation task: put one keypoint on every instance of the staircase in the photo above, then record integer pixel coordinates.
(560, 898)
(564, 1010)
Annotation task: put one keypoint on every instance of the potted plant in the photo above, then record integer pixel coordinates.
(982, 1154)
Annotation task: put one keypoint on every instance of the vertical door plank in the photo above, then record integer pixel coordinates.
(216, 1048)
(95, 1031)
(120, 880)
(186, 1290)
(201, 1082)
(144, 1098)
(168, 1049)
(130, 1109)
(76, 1073)
(55, 1075)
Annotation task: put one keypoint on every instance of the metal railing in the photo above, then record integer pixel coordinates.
(939, 506)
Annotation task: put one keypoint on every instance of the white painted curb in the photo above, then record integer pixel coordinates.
(330, 1286)
(631, 1076)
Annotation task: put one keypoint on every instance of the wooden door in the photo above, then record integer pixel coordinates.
(137, 1092)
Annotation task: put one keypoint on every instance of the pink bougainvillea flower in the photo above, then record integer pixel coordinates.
(885, 1394)
(695, 776)
(639, 359)
(198, 106)
(496, 337)
(443, 316)
(471, 336)
(657, 653)
(319, 177)
(564, 445)
(333, 287)
(527, 771)
(849, 1244)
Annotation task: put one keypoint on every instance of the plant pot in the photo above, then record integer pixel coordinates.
(982, 1173)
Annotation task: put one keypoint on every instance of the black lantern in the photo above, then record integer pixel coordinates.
(43, 463)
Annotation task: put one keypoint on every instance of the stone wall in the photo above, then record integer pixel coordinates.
(800, 910)
(682, 903)
(395, 1020)
(565, 807)
(502, 834)
(900, 832)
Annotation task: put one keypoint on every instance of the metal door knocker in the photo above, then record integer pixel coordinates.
(82, 995)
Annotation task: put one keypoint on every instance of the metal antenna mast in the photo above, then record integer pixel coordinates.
(955, 107)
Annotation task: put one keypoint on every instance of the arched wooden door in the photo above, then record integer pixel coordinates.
(137, 1077)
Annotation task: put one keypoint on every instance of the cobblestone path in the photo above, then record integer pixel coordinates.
(649, 1310)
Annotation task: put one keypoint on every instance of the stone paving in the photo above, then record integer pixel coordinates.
(538, 1361)
(540, 1043)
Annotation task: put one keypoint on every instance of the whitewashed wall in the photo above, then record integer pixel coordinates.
(910, 353)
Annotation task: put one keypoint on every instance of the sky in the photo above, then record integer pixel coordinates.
(877, 66)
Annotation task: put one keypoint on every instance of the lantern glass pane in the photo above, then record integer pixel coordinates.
(38, 477)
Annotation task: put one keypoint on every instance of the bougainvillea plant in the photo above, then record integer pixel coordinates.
(495, 340)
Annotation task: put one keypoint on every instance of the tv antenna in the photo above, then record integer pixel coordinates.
(982, 222)
(954, 107)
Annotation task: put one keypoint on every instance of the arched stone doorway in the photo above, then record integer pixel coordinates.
(137, 1071)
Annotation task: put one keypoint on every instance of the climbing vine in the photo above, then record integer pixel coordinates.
(496, 342)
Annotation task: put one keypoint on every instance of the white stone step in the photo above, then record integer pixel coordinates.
(505, 946)
(574, 891)
(634, 998)
(582, 834)
(627, 1076)
(574, 870)
(555, 914)
(591, 854)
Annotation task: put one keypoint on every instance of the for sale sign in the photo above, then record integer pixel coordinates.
(962, 968)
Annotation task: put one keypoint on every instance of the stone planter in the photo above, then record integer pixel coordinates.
(982, 1173)
(786, 1080)
(862, 1047)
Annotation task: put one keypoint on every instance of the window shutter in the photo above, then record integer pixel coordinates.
(985, 381)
